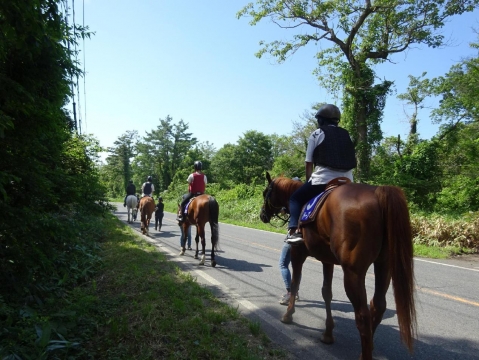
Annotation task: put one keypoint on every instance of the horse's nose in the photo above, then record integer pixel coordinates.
(262, 215)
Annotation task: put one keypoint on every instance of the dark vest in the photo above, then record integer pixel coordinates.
(336, 151)
(131, 189)
(147, 189)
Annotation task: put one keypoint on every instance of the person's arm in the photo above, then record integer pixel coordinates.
(309, 169)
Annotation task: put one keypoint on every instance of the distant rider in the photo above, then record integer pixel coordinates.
(148, 188)
(197, 184)
(130, 190)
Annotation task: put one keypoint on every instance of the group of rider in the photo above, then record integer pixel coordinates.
(330, 154)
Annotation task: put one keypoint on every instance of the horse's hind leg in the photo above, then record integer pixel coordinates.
(377, 305)
(201, 230)
(328, 270)
(354, 284)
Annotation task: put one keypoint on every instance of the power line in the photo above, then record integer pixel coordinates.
(84, 65)
(71, 75)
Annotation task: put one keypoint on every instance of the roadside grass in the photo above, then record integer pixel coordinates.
(142, 306)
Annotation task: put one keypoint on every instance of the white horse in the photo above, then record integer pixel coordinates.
(131, 204)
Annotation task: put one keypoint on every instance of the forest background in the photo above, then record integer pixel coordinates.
(56, 229)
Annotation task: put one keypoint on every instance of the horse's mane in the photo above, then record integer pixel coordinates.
(287, 185)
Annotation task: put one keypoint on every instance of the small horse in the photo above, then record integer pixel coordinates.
(131, 205)
(358, 225)
(202, 209)
(147, 208)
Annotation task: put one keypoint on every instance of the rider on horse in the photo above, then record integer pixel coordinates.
(197, 184)
(148, 188)
(130, 190)
(332, 152)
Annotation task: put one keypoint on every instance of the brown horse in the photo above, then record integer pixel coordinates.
(147, 208)
(202, 209)
(358, 225)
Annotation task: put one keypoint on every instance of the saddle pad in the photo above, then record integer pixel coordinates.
(311, 208)
(188, 205)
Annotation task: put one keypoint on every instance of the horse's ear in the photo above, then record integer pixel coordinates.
(268, 177)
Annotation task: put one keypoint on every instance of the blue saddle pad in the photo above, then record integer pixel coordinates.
(310, 206)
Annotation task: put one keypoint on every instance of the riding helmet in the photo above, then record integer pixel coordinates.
(328, 112)
(149, 178)
(198, 165)
(131, 181)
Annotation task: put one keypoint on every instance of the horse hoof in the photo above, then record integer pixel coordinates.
(182, 252)
(213, 264)
(202, 262)
(287, 319)
(196, 256)
(326, 339)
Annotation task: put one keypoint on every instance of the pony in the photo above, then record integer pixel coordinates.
(357, 225)
(147, 208)
(131, 205)
(202, 209)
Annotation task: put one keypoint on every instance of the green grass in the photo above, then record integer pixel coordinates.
(141, 306)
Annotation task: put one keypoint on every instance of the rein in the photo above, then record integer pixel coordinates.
(276, 209)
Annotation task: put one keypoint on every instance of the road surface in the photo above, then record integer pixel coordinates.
(247, 277)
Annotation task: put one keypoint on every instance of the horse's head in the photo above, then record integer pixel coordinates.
(276, 197)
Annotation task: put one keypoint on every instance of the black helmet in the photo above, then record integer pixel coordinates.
(160, 198)
(149, 178)
(328, 113)
(131, 181)
(198, 165)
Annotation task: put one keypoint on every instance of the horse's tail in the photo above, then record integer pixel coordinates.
(398, 231)
(214, 210)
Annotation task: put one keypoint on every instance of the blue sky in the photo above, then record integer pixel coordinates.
(194, 60)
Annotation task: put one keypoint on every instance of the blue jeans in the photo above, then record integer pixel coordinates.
(284, 260)
(299, 198)
(188, 236)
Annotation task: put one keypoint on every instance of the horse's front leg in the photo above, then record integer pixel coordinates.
(299, 254)
(327, 336)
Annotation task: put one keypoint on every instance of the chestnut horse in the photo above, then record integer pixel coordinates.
(147, 208)
(358, 225)
(202, 209)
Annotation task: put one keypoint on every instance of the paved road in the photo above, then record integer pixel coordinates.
(247, 276)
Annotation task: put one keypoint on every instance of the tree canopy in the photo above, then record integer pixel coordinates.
(359, 34)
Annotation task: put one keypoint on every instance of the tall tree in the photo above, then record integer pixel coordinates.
(417, 91)
(254, 155)
(162, 151)
(120, 158)
(360, 34)
(458, 92)
(225, 166)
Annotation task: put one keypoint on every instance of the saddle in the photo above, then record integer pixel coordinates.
(311, 209)
(189, 202)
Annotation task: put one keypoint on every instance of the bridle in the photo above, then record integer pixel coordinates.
(276, 209)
